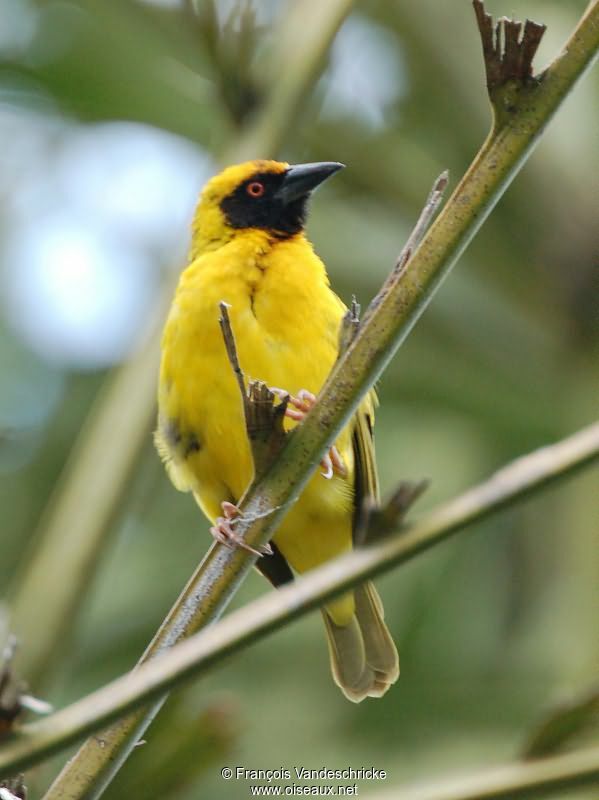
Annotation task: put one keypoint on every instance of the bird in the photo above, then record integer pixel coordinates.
(249, 249)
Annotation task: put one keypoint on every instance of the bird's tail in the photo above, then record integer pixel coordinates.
(364, 659)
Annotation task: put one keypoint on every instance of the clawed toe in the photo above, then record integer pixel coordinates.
(297, 408)
(230, 510)
(338, 462)
(223, 531)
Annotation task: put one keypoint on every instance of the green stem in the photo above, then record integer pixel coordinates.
(541, 779)
(241, 628)
(222, 570)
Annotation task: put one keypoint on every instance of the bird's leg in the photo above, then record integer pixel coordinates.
(223, 532)
(297, 409)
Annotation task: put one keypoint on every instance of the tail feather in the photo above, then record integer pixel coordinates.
(364, 660)
(379, 646)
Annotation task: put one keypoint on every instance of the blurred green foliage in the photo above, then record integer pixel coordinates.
(492, 627)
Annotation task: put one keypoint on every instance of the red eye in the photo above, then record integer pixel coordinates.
(255, 189)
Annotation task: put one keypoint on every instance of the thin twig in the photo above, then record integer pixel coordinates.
(350, 325)
(543, 778)
(422, 225)
(424, 220)
(271, 612)
(264, 414)
(231, 348)
(377, 522)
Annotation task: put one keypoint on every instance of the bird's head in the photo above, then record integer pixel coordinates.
(267, 195)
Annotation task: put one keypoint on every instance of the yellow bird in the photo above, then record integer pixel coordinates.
(249, 249)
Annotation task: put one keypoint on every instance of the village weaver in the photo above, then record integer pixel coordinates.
(249, 249)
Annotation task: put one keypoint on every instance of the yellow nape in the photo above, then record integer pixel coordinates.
(209, 227)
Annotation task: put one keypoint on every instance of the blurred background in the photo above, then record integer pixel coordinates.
(112, 116)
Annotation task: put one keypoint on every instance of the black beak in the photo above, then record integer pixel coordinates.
(302, 179)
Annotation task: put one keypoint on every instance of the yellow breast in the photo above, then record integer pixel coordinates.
(286, 324)
(285, 319)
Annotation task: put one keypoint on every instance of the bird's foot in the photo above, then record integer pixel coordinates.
(297, 408)
(223, 531)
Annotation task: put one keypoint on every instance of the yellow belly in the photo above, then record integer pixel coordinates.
(285, 320)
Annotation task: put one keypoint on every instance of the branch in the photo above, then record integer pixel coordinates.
(543, 778)
(422, 225)
(271, 612)
(222, 571)
(263, 418)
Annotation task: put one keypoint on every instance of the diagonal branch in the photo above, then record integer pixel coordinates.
(271, 612)
(222, 571)
(543, 778)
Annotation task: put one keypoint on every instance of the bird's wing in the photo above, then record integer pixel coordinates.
(366, 484)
